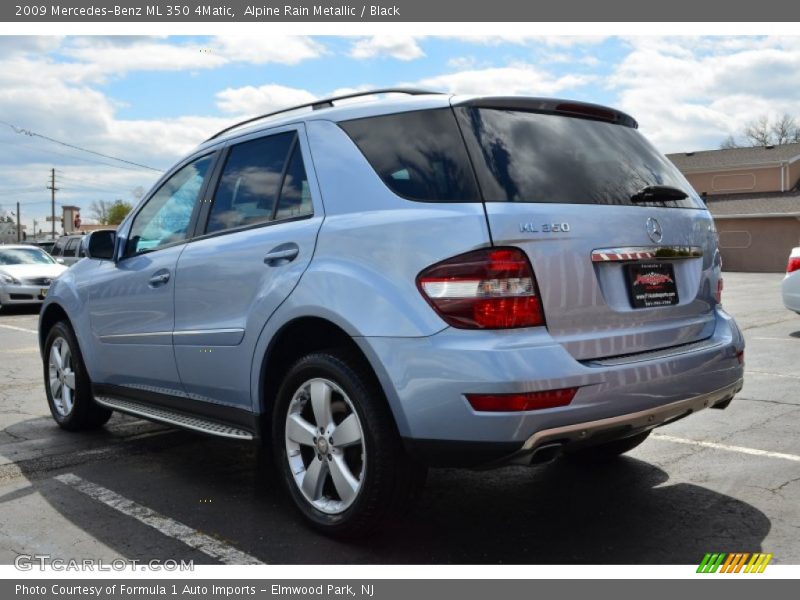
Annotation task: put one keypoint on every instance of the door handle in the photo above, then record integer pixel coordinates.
(282, 254)
(159, 279)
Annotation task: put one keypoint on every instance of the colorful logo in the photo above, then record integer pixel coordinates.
(735, 562)
(652, 279)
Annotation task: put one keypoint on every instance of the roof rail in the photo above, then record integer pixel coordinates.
(325, 103)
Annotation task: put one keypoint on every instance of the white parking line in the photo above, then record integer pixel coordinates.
(783, 375)
(18, 329)
(715, 446)
(189, 536)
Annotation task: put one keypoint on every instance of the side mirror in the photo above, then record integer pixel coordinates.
(60, 261)
(100, 244)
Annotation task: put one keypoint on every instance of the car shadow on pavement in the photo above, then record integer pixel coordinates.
(20, 309)
(625, 512)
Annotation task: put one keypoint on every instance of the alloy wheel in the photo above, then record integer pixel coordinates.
(61, 376)
(325, 446)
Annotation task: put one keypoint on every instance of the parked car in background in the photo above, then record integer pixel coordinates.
(67, 249)
(489, 281)
(791, 283)
(46, 245)
(26, 273)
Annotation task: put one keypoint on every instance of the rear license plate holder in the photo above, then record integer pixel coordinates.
(651, 284)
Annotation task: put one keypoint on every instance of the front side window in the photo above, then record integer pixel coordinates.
(250, 183)
(165, 218)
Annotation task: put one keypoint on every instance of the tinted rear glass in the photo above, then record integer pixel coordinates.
(534, 157)
(420, 155)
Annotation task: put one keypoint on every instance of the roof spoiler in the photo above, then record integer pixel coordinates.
(583, 110)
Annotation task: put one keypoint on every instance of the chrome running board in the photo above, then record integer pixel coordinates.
(173, 417)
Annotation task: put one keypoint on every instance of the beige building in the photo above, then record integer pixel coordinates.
(754, 196)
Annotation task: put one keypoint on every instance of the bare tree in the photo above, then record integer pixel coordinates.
(98, 210)
(728, 143)
(764, 131)
(758, 132)
(785, 130)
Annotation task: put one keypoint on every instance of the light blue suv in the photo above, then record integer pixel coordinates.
(409, 280)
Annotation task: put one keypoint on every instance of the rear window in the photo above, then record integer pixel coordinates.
(419, 155)
(534, 157)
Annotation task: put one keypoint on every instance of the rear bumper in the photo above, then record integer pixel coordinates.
(426, 380)
(597, 432)
(791, 291)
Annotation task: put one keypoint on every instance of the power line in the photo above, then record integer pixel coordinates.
(30, 133)
(89, 160)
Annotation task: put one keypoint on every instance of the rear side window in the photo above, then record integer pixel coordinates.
(419, 155)
(72, 247)
(534, 157)
(295, 197)
(58, 248)
(251, 181)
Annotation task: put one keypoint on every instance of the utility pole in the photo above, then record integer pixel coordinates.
(19, 227)
(52, 187)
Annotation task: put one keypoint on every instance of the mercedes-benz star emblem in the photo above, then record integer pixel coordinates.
(654, 230)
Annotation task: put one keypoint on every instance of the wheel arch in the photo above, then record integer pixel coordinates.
(301, 336)
(52, 314)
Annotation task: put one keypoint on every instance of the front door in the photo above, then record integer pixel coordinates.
(131, 301)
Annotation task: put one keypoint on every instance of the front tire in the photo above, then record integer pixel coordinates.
(337, 448)
(68, 388)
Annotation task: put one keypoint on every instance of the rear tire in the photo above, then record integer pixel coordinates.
(337, 449)
(68, 388)
(607, 451)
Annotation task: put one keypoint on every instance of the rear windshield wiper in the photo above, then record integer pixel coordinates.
(658, 193)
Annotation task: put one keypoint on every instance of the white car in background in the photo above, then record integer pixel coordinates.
(26, 273)
(791, 283)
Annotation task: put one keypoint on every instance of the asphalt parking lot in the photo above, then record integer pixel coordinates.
(719, 481)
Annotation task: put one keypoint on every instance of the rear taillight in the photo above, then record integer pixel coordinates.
(521, 402)
(794, 264)
(492, 288)
(718, 293)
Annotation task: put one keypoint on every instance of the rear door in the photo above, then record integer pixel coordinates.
(616, 276)
(256, 236)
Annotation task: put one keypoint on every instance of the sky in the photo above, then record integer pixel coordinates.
(150, 100)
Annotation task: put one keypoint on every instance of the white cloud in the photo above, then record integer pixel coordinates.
(690, 93)
(553, 41)
(252, 100)
(517, 78)
(401, 47)
(98, 59)
(282, 49)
